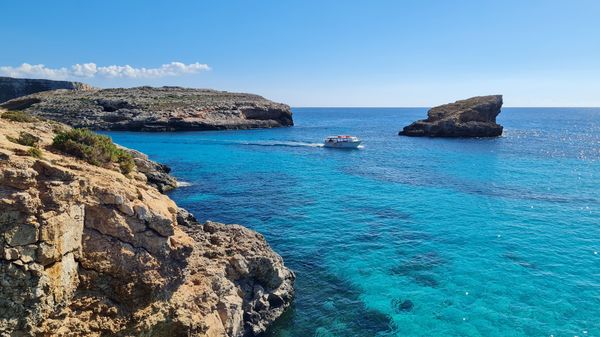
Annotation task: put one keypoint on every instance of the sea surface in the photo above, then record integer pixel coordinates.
(411, 236)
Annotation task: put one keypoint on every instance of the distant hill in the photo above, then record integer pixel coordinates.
(155, 109)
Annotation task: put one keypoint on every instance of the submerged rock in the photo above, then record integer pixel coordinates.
(399, 305)
(155, 109)
(473, 117)
(88, 251)
(16, 87)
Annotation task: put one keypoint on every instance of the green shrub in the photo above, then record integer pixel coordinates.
(35, 152)
(95, 149)
(19, 116)
(25, 138)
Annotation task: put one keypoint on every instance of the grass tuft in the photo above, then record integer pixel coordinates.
(19, 116)
(35, 152)
(25, 138)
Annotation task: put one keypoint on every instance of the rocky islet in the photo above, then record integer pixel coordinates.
(473, 117)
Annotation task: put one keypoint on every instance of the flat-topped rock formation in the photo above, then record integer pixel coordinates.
(155, 109)
(16, 87)
(473, 117)
(87, 250)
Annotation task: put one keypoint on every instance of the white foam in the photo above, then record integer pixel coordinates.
(183, 184)
(283, 143)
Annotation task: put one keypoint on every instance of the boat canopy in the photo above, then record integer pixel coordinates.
(341, 138)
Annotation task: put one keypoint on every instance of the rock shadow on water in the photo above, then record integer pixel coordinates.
(400, 305)
(256, 196)
(436, 180)
(346, 314)
(421, 268)
(519, 260)
(426, 279)
(375, 236)
(412, 237)
(384, 213)
(400, 233)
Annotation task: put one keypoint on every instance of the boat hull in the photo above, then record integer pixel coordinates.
(343, 145)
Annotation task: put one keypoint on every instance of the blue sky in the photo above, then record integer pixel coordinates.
(322, 53)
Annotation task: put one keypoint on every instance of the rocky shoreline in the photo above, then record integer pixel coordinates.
(90, 251)
(155, 109)
(158, 174)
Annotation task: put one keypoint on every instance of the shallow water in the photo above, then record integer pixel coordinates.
(485, 237)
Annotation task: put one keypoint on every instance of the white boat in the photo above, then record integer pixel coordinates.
(342, 142)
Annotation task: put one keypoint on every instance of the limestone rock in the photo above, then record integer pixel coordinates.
(157, 174)
(473, 117)
(155, 109)
(87, 251)
(251, 266)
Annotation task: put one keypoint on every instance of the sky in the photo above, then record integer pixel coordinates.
(402, 53)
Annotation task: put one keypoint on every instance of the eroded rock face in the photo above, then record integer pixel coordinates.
(266, 285)
(155, 109)
(473, 117)
(157, 174)
(16, 87)
(87, 251)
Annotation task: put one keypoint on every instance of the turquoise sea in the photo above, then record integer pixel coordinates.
(411, 236)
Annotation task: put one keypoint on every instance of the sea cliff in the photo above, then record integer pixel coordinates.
(86, 250)
(16, 87)
(155, 109)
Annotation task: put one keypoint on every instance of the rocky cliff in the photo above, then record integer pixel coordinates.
(155, 109)
(16, 87)
(158, 174)
(473, 117)
(89, 251)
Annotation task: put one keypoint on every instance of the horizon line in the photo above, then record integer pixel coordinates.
(428, 107)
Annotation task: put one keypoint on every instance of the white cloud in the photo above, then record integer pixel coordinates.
(91, 70)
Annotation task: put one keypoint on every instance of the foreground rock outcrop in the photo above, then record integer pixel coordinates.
(16, 87)
(88, 251)
(473, 117)
(158, 174)
(155, 109)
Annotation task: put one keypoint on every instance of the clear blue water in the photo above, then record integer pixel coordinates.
(486, 237)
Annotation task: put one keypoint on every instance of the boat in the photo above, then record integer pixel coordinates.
(342, 142)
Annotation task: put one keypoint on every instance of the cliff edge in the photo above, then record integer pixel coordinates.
(155, 109)
(16, 87)
(86, 250)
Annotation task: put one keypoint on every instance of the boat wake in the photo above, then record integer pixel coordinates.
(282, 143)
(269, 143)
